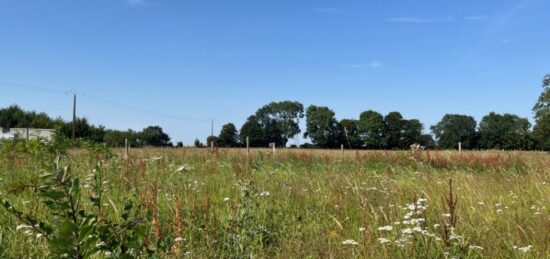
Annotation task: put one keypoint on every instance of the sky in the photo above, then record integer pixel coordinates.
(180, 64)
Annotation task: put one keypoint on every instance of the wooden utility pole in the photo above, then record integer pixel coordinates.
(74, 118)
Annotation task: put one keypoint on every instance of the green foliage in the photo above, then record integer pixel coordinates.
(454, 128)
(503, 132)
(116, 138)
(322, 127)
(279, 121)
(412, 133)
(297, 204)
(15, 117)
(352, 127)
(76, 227)
(246, 233)
(371, 129)
(253, 130)
(541, 131)
(393, 127)
(198, 143)
(542, 107)
(211, 139)
(154, 136)
(229, 136)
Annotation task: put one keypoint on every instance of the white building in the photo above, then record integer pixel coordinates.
(27, 133)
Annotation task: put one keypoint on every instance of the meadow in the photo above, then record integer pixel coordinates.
(199, 203)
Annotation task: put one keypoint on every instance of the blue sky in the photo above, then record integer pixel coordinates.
(221, 60)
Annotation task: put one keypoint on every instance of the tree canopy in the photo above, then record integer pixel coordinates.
(541, 131)
(455, 128)
(503, 132)
(229, 136)
(322, 127)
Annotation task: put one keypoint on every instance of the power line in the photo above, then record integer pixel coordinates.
(103, 101)
(94, 99)
(31, 88)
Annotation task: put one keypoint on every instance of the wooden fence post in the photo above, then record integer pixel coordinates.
(247, 146)
(125, 148)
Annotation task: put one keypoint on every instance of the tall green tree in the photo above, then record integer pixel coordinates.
(280, 121)
(15, 117)
(253, 130)
(454, 128)
(541, 131)
(506, 131)
(155, 136)
(371, 129)
(412, 134)
(229, 136)
(83, 129)
(393, 130)
(322, 127)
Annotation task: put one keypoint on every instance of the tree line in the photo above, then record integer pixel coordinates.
(15, 117)
(278, 122)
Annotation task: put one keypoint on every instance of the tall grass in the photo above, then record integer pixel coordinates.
(307, 203)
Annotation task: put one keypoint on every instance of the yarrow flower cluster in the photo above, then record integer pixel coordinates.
(350, 242)
(525, 249)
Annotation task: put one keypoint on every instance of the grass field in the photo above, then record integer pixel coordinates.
(304, 203)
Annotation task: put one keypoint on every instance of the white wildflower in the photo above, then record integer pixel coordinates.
(447, 215)
(265, 194)
(437, 225)
(225, 199)
(23, 226)
(178, 239)
(383, 240)
(407, 231)
(476, 248)
(183, 169)
(350, 242)
(362, 229)
(526, 249)
(385, 228)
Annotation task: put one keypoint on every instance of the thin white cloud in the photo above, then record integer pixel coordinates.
(372, 64)
(136, 2)
(375, 64)
(475, 17)
(327, 10)
(412, 19)
(505, 41)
